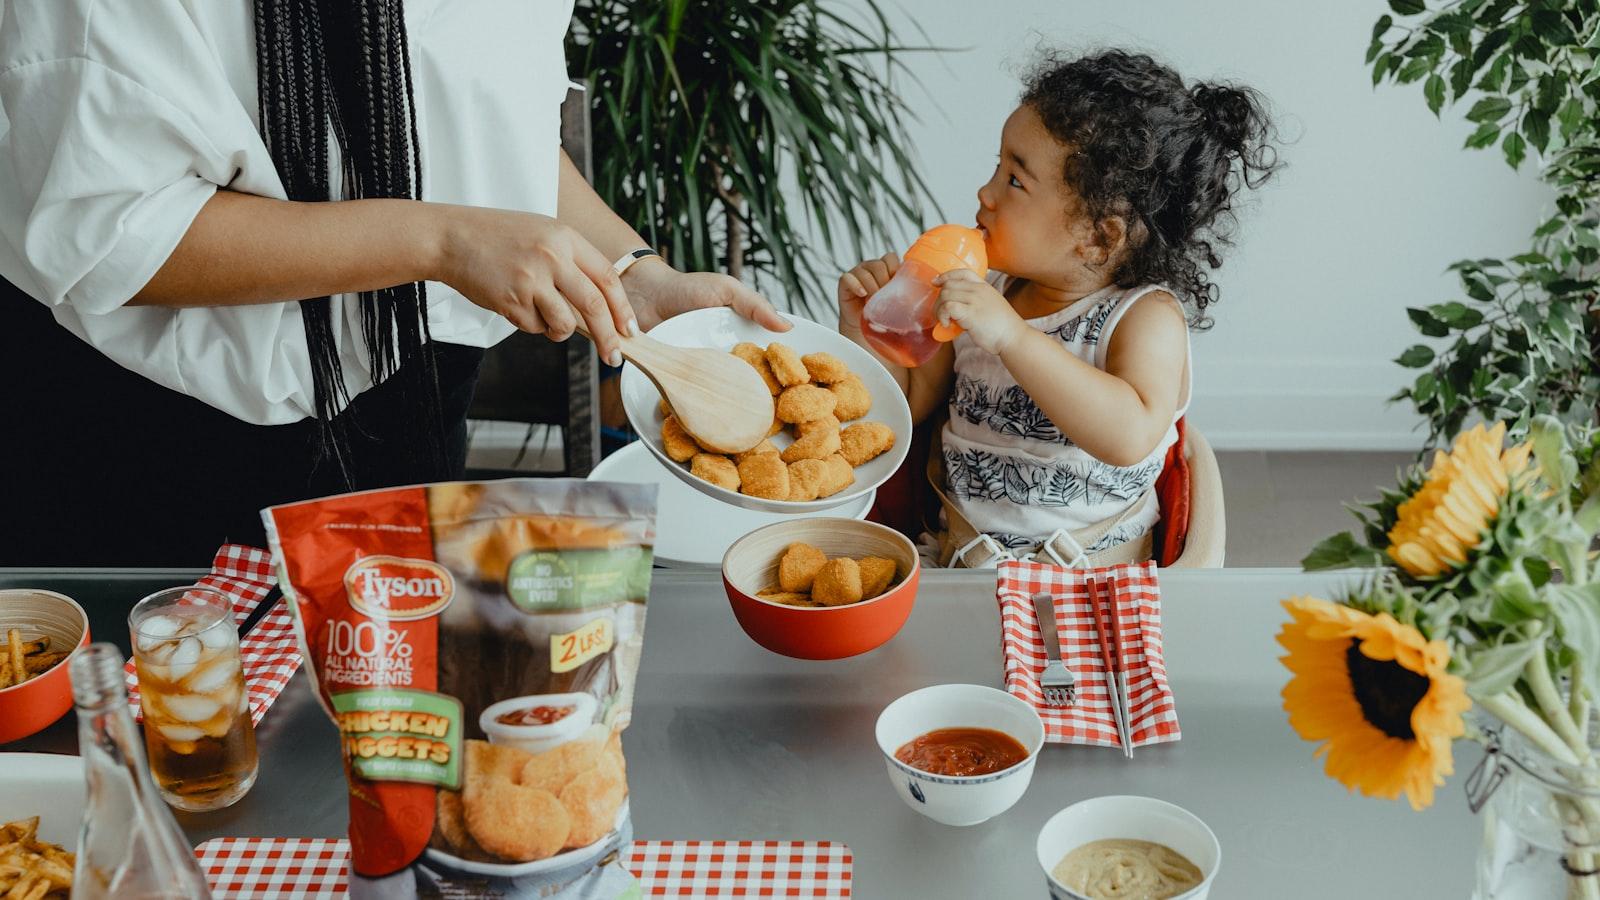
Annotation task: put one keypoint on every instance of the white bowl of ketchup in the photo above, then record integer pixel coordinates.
(951, 728)
(538, 722)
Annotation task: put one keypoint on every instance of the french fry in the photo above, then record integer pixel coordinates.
(5, 682)
(19, 672)
(31, 869)
(39, 662)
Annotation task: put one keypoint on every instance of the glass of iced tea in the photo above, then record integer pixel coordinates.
(197, 727)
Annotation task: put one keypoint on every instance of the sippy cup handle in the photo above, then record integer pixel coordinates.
(944, 334)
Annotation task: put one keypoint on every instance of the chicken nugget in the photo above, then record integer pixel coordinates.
(764, 447)
(452, 822)
(805, 479)
(837, 476)
(614, 750)
(838, 582)
(787, 598)
(666, 408)
(786, 365)
(555, 768)
(757, 358)
(717, 469)
(855, 400)
(877, 574)
(865, 440)
(516, 822)
(819, 444)
(825, 368)
(805, 403)
(798, 567)
(677, 441)
(777, 423)
(801, 429)
(592, 801)
(765, 476)
(486, 760)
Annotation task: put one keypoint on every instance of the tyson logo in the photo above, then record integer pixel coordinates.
(391, 587)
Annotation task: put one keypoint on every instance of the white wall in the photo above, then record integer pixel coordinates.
(1378, 197)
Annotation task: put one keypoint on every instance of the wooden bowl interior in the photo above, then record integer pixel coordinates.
(752, 562)
(41, 614)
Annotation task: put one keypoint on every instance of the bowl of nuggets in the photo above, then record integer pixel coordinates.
(521, 813)
(841, 424)
(821, 588)
(38, 631)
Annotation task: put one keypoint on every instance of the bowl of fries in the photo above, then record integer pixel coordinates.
(38, 631)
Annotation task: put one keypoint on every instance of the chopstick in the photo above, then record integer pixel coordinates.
(1104, 629)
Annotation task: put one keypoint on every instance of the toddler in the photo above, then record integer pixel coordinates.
(1111, 200)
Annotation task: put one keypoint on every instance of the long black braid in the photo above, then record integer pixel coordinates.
(346, 64)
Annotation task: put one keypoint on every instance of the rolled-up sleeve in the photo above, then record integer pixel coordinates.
(102, 179)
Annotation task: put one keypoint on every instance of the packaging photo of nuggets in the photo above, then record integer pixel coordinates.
(476, 644)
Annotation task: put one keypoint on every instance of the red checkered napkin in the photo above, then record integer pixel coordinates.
(1153, 716)
(269, 651)
(313, 868)
(818, 870)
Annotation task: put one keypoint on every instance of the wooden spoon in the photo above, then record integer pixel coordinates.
(720, 399)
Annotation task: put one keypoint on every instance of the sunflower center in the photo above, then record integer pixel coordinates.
(1386, 690)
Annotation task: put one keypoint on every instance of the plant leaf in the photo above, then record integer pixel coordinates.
(1416, 356)
(1341, 552)
(1515, 149)
(1407, 7)
(1494, 669)
(1576, 610)
(1489, 109)
(1433, 92)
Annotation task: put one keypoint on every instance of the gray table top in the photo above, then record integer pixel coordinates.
(732, 742)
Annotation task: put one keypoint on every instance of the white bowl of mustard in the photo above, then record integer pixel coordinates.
(1125, 817)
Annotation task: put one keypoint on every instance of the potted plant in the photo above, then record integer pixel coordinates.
(705, 110)
(1524, 339)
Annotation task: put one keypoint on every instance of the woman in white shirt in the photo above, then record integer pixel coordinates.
(161, 167)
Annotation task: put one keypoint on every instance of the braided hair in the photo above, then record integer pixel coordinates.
(1168, 158)
(346, 64)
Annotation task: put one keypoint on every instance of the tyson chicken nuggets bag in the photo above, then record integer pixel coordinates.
(476, 645)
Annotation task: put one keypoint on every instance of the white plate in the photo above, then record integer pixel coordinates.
(572, 857)
(720, 328)
(47, 785)
(693, 530)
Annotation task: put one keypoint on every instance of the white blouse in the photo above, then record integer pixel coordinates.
(120, 118)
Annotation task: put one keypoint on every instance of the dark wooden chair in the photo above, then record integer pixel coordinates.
(532, 380)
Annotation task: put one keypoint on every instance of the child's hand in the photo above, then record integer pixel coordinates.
(860, 283)
(969, 301)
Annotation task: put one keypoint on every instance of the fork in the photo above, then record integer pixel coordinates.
(1060, 689)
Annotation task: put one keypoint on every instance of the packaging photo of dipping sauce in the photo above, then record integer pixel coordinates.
(420, 608)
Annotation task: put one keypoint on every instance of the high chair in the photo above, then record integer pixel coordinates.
(1192, 531)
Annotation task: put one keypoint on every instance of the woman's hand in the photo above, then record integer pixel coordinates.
(858, 285)
(969, 301)
(541, 275)
(658, 291)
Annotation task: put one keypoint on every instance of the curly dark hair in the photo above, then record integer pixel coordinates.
(1169, 158)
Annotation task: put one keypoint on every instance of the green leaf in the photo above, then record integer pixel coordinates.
(1460, 78)
(1433, 91)
(1485, 136)
(1489, 109)
(1514, 148)
(1381, 27)
(1536, 128)
(1426, 323)
(1380, 68)
(1577, 613)
(1457, 315)
(1422, 390)
(1494, 669)
(1556, 462)
(1572, 117)
(1407, 7)
(1414, 69)
(1552, 28)
(1340, 552)
(1416, 356)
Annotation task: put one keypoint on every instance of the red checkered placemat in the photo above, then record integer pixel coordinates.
(269, 651)
(313, 868)
(1090, 720)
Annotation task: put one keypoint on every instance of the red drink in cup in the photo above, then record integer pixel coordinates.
(899, 321)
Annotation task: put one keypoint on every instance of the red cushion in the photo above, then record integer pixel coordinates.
(1172, 493)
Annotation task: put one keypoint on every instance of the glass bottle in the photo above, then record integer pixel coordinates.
(129, 846)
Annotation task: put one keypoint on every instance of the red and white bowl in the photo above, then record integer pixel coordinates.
(37, 703)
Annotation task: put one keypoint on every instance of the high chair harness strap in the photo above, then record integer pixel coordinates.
(963, 546)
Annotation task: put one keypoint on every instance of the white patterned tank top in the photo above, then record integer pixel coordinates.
(1007, 468)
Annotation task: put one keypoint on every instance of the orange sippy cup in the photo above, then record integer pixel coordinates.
(899, 321)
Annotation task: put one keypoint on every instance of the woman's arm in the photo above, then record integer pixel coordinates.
(1117, 415)
(656, 289)
(539, 274)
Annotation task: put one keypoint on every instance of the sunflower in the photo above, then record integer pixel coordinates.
(1450, 514)
(1376, 692)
